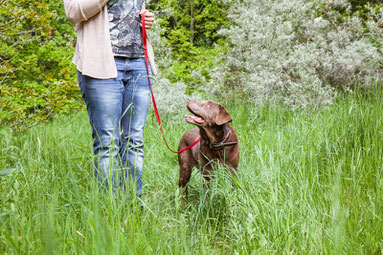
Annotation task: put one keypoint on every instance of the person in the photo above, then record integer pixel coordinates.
(112, 76)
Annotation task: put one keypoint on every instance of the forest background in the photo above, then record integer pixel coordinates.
(258, 51)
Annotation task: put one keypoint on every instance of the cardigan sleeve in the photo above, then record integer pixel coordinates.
(81, 10)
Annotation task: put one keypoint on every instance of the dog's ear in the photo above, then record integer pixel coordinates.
(223, 116)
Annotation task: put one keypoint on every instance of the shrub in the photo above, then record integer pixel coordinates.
(190, 29)
(299, 53)
(170, 94)
(37, 78)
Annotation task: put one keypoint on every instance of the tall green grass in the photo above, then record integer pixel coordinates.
(309, 182)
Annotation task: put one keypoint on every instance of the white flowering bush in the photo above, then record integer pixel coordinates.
(298, 52)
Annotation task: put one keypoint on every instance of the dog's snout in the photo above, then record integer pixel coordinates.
(189, 101)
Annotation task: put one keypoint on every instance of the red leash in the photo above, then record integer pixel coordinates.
(151, 90)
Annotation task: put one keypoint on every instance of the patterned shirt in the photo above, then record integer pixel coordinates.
(124, 27)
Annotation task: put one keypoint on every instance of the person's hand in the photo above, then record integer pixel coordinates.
(149, 19)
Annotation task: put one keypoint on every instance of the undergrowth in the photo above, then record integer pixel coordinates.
(308, 182)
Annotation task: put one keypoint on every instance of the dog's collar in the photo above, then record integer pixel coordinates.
(221, 145)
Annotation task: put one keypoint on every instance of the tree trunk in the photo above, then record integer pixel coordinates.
(191, 21)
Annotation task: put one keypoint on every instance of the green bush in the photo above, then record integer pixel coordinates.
(37, 78)
(191, 28)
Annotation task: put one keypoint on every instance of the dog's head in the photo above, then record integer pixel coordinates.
(207, 114)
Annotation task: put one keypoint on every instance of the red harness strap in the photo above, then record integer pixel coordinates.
(151, 90)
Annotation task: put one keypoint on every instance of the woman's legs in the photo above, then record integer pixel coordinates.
(117, 110)
(103, 100)
(135, 104)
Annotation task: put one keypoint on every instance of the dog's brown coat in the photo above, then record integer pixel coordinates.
(218, 144)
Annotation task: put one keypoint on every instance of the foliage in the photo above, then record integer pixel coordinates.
(191, 23)
(360, 4)
(191, 28)
(299, 53)
(170, 95)
(307, 184)
(296, 52)
(36, 74)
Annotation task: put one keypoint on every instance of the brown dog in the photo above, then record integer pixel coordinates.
(218, 143)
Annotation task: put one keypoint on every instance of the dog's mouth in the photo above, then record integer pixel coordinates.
(195, 119)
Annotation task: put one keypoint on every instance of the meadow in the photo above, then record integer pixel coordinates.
(309, 182)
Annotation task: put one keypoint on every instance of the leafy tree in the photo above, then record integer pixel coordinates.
(36, 74)
(192, 22)
(191, 28)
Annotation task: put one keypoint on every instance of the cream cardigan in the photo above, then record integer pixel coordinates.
(93, 55)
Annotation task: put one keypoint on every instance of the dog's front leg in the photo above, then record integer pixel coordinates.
(185, 173)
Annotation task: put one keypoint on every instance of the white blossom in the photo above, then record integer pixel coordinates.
(297, 52)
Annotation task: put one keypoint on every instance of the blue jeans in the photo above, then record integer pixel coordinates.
(117, 110)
